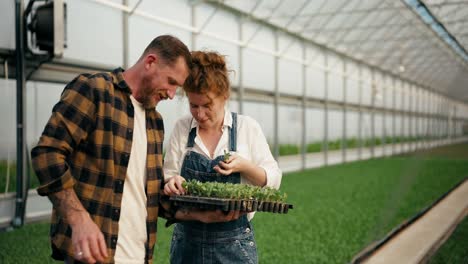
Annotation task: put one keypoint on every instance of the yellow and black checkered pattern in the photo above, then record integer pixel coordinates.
(86, 146)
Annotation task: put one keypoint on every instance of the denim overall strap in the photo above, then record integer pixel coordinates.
(233, 133)
(191, 137)
(198, 167)
(225, 242)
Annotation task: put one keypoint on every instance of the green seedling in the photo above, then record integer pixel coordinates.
(233, 191)
(227, 155)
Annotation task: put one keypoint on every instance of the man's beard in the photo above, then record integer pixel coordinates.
(147, 95)
(147, 98)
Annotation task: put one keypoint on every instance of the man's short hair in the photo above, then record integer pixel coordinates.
(169, 49)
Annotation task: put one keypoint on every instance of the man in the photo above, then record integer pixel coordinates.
(99, 159)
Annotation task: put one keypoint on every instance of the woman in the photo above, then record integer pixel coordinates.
(196, 150)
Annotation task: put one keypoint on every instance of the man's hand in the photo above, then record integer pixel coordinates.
(218, 216)
(173, 186)
(88, 240)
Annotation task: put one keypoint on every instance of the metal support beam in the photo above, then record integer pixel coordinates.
(325, 113)
(373, 93)
(208, 19)
(417, 109)
(384, 117)
(411, 117)
(21, 176)
(324, 25)
(193, 20)
(125, 38)
(402, 128)
(259, 26)
(360, 112)
(340, 38)
(393, 115)
(304, 107)
(344, 139)
(276, 99)
(240, 51)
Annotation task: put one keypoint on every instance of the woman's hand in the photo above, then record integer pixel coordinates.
(254, 174)
(173, 186)
(234, 163)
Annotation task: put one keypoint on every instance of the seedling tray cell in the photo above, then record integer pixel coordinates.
(212, 203)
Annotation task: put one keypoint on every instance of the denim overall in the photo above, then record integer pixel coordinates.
(225, 242)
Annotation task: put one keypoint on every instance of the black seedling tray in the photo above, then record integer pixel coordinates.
(211, 203)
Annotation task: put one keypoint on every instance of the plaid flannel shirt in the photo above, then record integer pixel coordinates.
(86, 146)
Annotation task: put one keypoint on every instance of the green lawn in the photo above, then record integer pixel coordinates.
(338, 210)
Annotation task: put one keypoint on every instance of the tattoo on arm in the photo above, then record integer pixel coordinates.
(66, 202)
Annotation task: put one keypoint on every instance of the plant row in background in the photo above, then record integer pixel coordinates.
(8, 177)
(233, 191)
(292, 149)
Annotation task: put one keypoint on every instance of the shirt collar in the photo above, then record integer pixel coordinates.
(119, 80)
(227, 119)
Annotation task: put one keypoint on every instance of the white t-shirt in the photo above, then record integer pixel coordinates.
(132, 223)
(251, 145)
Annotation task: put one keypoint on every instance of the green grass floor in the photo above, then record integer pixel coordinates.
(455, 249)
(338, 210)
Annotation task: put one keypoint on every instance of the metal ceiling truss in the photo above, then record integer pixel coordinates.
(370, 33)
(340, 39)
(373, 34)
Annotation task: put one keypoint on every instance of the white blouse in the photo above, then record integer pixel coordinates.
(251, 145)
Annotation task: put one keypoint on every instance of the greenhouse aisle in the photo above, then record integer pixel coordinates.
(418, 241)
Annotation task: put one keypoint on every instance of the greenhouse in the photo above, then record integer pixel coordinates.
(363, 106)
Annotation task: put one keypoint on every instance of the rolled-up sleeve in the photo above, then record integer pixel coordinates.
(68, 125)
(174, 151)
(261, 155)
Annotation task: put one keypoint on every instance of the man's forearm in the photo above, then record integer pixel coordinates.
(68, 205)
(184, 214)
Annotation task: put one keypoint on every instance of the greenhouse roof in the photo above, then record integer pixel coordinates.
(425, 42)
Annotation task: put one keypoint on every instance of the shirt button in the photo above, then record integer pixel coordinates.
(251, 244)
(247, 230)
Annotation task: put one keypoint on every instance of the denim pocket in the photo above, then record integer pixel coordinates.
(248, 248)
(177, 246)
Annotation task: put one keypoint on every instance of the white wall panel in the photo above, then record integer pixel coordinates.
(335, 124)
(7, 27)
(314, 125)
(94, 33)
(290, 125)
